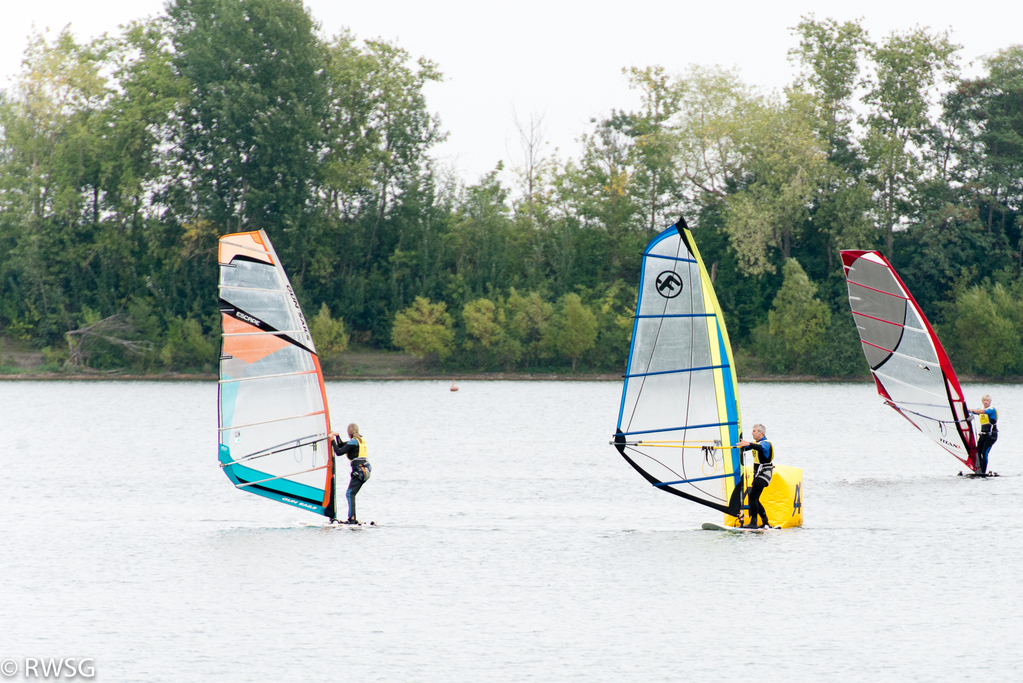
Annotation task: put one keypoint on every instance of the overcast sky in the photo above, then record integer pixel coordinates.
(560, 59)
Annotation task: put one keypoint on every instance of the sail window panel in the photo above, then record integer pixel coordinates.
(273, 308)
(655, 403)
(880, 306)
(273, 398)
(286, 360)
(875, 356)
(681, 344)
(703, 402)
(688, 301)
(909, 376)
(665, 402)
(279, 447)
(671, 246)
(917, 344)
(705, 329)
(249, 274)
(913, 319)
(879, 333)
(875, 276)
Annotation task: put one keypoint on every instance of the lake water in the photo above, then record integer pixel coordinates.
(514, 544)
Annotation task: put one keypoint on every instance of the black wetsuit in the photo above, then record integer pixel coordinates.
(360, 473)
(988, 436)
(762, 472)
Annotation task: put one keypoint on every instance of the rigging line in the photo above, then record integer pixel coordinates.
(675, 444)
(263, 454)
(650, 457)
(926, 417)
(654, 444)
(716, 442)
(914, 403)
(283, 476)
(276, 419)
(710, 495)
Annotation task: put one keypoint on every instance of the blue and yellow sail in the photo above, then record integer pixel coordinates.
(679, 419)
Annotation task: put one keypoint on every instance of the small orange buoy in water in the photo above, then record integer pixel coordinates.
(454, 387)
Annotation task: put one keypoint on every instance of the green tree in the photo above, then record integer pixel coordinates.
(578, 329)
(797, 317)
(830, 53)
(786, 167)
(486, 334)
(984, 334)
(479, 240)
(187, 348)
(424, 329)
(329, 334)
(250, 127)
(983, 121)
(532, 324)
(907, 67)
(709, 129)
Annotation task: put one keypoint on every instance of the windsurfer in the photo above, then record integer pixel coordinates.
(355, 450)
(762, 471)
(988, 432)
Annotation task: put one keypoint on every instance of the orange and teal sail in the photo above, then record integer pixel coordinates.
(679, 418)
(274, 421)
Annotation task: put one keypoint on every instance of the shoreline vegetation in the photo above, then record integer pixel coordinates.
(124, 159)
(349, 367)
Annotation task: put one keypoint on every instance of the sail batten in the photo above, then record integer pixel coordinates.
(682, 428)
(906, 358)
(669, 372)
(256, 379)
(273, 405)
(277, 419)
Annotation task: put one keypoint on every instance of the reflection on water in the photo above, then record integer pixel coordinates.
(514, 544)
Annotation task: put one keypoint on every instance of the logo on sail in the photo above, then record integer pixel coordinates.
(669, 284)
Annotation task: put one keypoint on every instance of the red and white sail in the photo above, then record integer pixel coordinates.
(911, 369)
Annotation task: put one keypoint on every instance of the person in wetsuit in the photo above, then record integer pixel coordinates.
(763, 469)
(355, 450)
(988, 432)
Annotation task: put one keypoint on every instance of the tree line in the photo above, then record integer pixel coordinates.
(123, 159)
